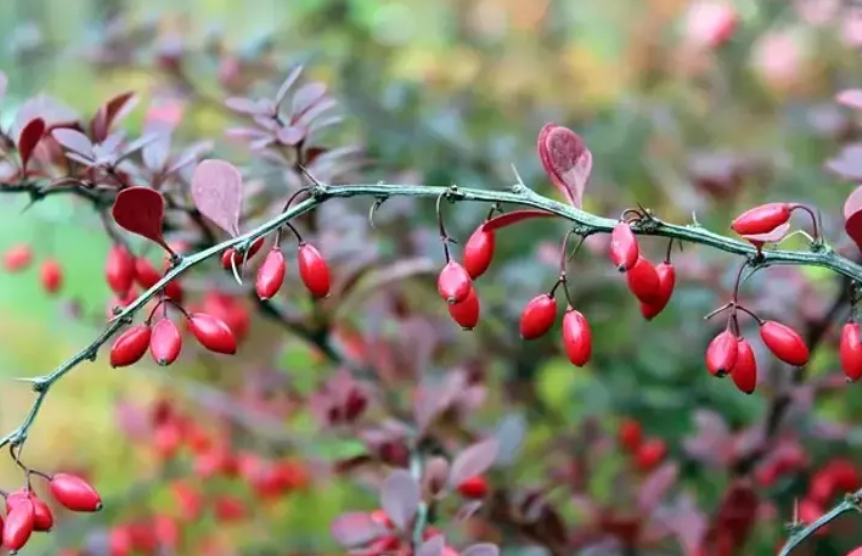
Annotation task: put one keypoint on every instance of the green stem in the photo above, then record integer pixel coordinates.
(849, 504)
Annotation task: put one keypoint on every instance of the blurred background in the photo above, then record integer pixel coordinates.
(697, 109)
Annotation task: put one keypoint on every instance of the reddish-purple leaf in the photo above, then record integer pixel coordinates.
(139, 144)
(432, 547)
(111, 112)
(482, 549)
(4, 82)
(851, 98)
(74, 141)
(656, 485)
(566, 160)
(853, 216)
(474, 461)
(217, 193)
(306, 97)
(291, 136)
(853, 204)
(287, 84)
(400, 496)
(243, 105)
(848, 162)
(30, 136)
(189, 155)
(141, 211)
(514, 217)
(315, 111)
(155, 155)
(355, 529)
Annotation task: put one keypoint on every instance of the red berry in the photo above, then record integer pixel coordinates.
(643, 281)
(624, 247)
(478, 252)
(229, 508)
(454, 283)
(851, 351)
(721, 354)
(51, 275)
(744, 373)
(119, 269)
(121, 541)
(380, 517)
(74, 493)
(270, 275)
(17, 258)
(174, 290)
(466, 313)
(577, 338)
(666, 283)
(212, 333)
(630, 434)
(130, 346)
(313, 270)
(785, 343)
(16, 497)
(809, 511)
(761, 219)
(20, 522)
(650, 454)
(474, 487)
(538, 316)
(43, 519)
(167, 438)
(146, 274)
(232, 253)
(229, 309)
(166, 342)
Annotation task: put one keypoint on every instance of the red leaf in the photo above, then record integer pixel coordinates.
(514, 217)
(141, 210)
(30, 136)
(853, 216)
(217, 193)
(473, 461)
(111, 111)
(355, 529)
(851, 98)
(656, 485)
(566, 160)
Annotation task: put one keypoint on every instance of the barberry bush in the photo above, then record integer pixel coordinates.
(358, 351)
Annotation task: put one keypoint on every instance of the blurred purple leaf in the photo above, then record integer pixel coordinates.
(30, 136)
(139, 144)
(851, 98)
(426, 407)
(688, 524)
(315, 111)
(287, 84)
(141, 210)
(510, 434)
(468, 510)
(355, 529)
(482, 549)
(217, 193)
(474, 461)
(432, 547)
(243, 105)
(435, 474)
(155, 155)
(656, 485)
(291, 136)
(74, 141)
(400, 496)
(566, 159)
(4, 83)
(306, 97)
(848, 163)
(191, 154)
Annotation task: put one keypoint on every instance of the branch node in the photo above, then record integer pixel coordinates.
(40, 385)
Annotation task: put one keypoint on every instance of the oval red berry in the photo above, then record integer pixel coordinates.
(761, 219)
(466, 313)
(130, 346)
(744, 373)
(643, 281)
(74, 493)
(785, 343)
(577, 338)
(624, 251)
(270, 275)
(851, 351)
(538, 316)
(119, 269)
(721, 354)
(478, 252)
(453, 283)
(212, 333)
(313, 270)
(166, 342)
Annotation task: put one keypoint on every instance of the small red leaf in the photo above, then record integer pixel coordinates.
(853, 216)
(141, 210)
(217, 193)
(110, 112)
(773, 236)
(514, 217)
(30, 136)
(566, 159)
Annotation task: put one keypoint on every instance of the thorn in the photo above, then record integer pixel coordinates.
(377, 202)
(310, 176)
(694, 221)
(234, 271)
(518, 176)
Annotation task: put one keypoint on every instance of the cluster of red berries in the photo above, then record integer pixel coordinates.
(123, 271)
(647, 453)
(26, 513)
(19, 257)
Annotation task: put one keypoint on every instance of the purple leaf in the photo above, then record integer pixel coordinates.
(217, 193)
(190, 155)
(432, 547)
(141, 211)
(4, 82)
(355, 529)
(399, 497)
(139, 144)
(468, 510)
(482, 549)
(291, 136)
(287, 84)
(853, 216)
(851, 98)
(435, 474)
(510, 434)
(30, 136)
(243, 105)
(848, 163)
(155, 155)
(566, 160)
(316, 110)
(306, 97)
(74, 140)
(656, 485)
(474, 461)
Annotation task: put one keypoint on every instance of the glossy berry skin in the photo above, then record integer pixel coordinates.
(119, 269)
(538, 316)
(130, 346)
(478, 252)
(313, 270)
(650, 453)
(212, 333)
(851, 351)
(577, 338)
(466, 313)
(721, 354)
(761, 219)
(744, 373)
(643, 281)
(624, 251)
(666, 282)
(453, 283)
(51, 275)
(20, 522)
(146, 274)
(166, 342)
(43, 519)
(630, 434)
(231, 253)
(785, 343)
(74, 493)
(474, 487)
(17, 258)
(270, 275)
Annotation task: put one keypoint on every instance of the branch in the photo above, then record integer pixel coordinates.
(850, 503)
(586, 224)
